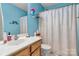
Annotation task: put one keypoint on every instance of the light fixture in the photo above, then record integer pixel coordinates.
(33, 11)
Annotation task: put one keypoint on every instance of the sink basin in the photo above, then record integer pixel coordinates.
(16, 42)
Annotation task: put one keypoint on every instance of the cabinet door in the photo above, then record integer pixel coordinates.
(37, 52)
(35, 45)
(25, 52)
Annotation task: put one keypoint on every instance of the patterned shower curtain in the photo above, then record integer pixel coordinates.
(58, 29)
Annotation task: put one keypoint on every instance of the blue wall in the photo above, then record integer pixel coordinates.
(10, 13)
(33, 22)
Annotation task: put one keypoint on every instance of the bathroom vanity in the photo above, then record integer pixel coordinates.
(25, 47)
(33, 49)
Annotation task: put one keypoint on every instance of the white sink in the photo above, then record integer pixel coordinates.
(15, 42)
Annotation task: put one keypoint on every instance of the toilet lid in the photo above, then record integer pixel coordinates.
(45, 46)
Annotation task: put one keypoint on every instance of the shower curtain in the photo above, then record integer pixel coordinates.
(58, 29)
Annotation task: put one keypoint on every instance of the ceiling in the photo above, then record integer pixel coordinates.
(23, 6)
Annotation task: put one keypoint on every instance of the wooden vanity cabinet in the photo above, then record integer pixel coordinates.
(36, 48)
(37, 52)
(24, 52)
(32, 50)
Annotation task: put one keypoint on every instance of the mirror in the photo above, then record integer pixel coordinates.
(1, 26)
(15, 19)
(12, 16)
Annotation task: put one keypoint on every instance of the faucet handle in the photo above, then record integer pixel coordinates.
(16, 37)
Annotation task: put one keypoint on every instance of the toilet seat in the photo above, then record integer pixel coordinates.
(45, 46)
(45, 49)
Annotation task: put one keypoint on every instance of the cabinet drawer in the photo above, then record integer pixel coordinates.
(36, 52)
(24, 52)
(35, 45)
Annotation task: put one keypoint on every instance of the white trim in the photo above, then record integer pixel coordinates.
(2, 19)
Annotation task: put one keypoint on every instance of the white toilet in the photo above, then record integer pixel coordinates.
(45, 49)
